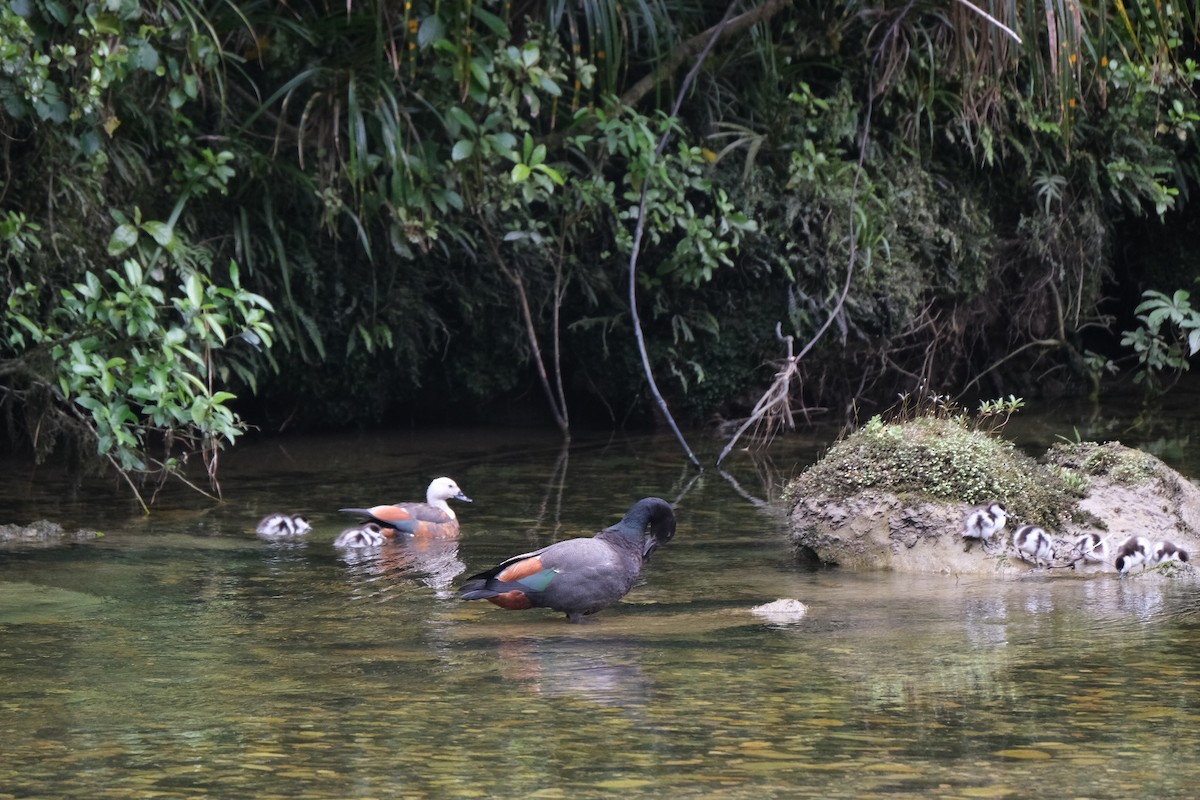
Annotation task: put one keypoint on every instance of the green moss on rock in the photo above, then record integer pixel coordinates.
(1110, 460)
(941, 459)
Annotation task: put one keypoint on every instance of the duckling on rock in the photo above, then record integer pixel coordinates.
(1089, 548)
(1034, 542)
(1134, 551)
(984, 522)
(282, 526)
(1166, 551)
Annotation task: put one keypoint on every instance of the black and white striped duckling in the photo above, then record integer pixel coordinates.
(1166, 551)
(282, 526)
(1089, 548)
(1033, 542)
(369, 534)
(984, 522)
(1133, 552)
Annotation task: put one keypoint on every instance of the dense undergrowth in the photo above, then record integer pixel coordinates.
(353, 213)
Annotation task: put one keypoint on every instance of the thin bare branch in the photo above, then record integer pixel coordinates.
(991, 19)
(713, 35)
(701, 44)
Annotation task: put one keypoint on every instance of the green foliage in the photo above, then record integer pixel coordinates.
(117, 337)
(396, 178)
(1168, 336)
(1108, 460)
(139, 362)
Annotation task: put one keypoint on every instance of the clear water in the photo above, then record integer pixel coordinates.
(180, 656)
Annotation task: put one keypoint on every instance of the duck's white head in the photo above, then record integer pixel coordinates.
(443, 489)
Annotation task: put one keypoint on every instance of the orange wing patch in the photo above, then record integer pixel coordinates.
(521, 569)
(513, 601)
(435, 530)
(390, 513)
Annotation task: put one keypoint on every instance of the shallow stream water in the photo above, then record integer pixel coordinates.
(181, 656)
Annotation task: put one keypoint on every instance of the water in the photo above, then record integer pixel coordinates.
(180, 656)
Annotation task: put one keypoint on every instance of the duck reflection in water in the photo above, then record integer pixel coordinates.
(605, 672)
(434, 561)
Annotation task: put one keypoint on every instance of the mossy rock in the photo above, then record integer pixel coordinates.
(894, 495)
(43, 532)
(943, 460)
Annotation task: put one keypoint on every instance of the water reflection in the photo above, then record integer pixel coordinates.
(606, 672)
(434, 561)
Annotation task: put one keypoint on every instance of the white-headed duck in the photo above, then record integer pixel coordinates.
(433, 519)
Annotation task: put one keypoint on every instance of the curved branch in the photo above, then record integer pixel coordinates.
(1047, 343)
(701, 43)
(640, 228)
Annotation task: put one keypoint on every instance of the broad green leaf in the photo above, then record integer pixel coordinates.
(479, 73)
(432, 29)
(58, 11)
(195, 290)
(493, 22)
(463, 149)
(143, 56)
(505, 143)
(464, 119)
(123, 238)
(133, 272)
(551, 173)
(160, 231)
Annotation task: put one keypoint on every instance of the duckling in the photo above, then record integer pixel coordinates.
(1030, 540)
(984, 522)
(1134, 551)
(282, 526)
(1166, 551)
(367, 535)
(1090, 547)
